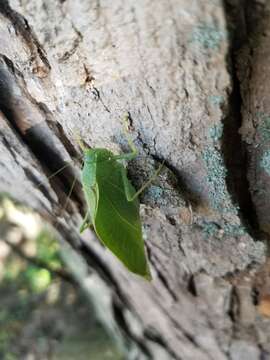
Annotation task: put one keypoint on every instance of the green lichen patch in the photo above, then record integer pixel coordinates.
(216, 181)
(216, 100)
(162, 196)
(265, 161)
(156, 192)
(207, 36)
(264, 127)
(233, 229)
(212, 229)
(215, 132)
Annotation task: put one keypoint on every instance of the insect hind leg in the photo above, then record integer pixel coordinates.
(130, 156)
(86, 222)
(134, 152)
(131, 197)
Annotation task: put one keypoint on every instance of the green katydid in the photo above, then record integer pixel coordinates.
(113, 207)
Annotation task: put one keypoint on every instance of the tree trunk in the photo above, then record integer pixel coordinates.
(194, 78)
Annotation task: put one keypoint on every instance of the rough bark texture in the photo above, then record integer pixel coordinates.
(191, 74)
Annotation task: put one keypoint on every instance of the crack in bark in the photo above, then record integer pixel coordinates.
(33, 124)
(120, 319)
(160, 274)
(120, 302)
(152, 335)
(28, 173)
(191, 338)
(71, 51)
(96, 93)
(23, 28)
(76, 42)
(233, 147)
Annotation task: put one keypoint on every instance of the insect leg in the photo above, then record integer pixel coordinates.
(129, 156)
(143, 187)
(86, 222)
(134, 152)
(79, 141)
(55, 173)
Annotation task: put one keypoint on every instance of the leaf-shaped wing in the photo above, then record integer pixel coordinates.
(117, 222)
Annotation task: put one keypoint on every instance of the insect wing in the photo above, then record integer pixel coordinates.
(90, 187)
(117, 220)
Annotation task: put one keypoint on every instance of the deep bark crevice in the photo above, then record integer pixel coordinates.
(160, 275)
(120, 319)
(233, 147)
(153, 336)
(41, 137)
(23, 28)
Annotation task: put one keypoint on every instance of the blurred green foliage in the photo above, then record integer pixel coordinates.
(32, 277)
(48, 249)
(38, 309)
(20, 280)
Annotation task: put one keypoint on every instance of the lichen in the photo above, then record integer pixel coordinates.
(216, 180)
(156, 192)
(265, 161)
(162, 196)
(216, 100)
(207, 36)
(233, 229)
(215, 132)
(211, 229)
(264, 127)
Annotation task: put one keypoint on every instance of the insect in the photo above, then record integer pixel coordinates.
(113, 206)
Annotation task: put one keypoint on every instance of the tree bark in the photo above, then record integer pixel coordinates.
(193, 76)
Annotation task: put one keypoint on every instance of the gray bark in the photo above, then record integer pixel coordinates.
(193, 76)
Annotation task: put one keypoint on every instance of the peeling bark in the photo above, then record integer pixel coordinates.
(189, 75)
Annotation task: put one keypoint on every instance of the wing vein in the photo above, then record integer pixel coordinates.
(119, 215)
(117, 187)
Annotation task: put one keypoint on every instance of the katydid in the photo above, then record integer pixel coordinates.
(113, 206)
